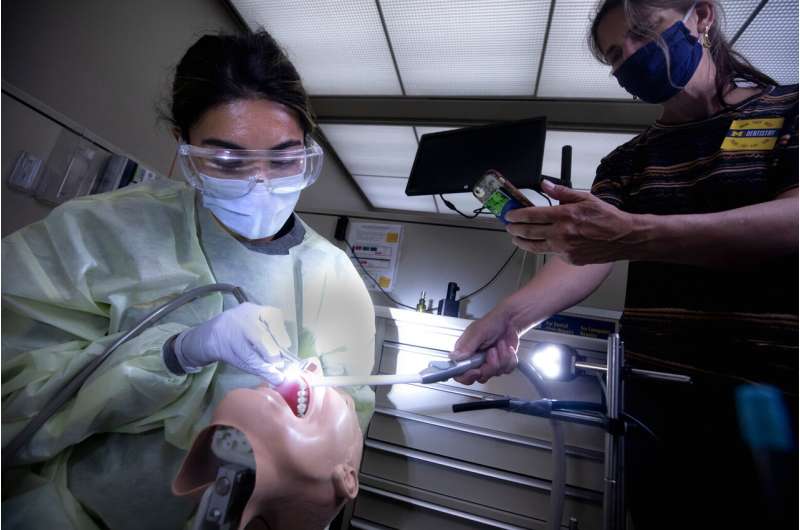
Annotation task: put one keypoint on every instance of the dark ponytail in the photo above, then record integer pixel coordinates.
(219, 69)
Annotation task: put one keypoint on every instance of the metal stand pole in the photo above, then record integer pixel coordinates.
(614, 495)
(614, 516)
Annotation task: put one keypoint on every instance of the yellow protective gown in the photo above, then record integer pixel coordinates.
(93, 268)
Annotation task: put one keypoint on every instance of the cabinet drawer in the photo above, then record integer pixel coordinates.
(379, 509)
(493, 449)
(504, 491)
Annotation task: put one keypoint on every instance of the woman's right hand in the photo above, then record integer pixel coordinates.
(494, 334)
(248, 336)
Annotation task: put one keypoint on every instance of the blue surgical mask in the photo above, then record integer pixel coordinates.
(645, 73)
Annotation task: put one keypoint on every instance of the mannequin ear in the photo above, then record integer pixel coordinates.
(345, 481)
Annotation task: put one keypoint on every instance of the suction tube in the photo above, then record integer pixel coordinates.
(558, 481)
(69, 389)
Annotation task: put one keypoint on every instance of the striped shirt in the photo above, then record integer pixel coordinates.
(741, 321)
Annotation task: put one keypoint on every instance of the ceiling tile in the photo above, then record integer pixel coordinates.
(377, 150)
(735, 13)
(388, 192)
(467, 47)
(338, 46)
(570, 70)
(770, 42)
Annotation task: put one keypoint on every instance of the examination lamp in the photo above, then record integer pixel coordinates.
(554, 361)
(557, 362)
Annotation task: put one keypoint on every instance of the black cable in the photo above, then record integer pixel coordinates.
(641, 424)
(549, 202)
(353, 253)
(504, 403)
(68, 390)
(452, 206)
(493, 277)
(538, 189)
(625, 414)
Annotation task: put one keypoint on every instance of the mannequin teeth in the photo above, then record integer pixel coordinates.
(296, 394)
(302, 399)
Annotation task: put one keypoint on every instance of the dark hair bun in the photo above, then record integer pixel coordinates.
(222, 68)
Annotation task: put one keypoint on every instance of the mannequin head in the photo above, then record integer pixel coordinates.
(306, 467)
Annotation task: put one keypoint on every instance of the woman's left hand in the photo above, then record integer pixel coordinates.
(581, 230)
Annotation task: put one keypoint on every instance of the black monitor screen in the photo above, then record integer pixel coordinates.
(453, 161)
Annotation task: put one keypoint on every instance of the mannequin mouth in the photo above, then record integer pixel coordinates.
(297, 393)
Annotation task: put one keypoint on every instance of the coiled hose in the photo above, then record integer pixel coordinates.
(71, 387)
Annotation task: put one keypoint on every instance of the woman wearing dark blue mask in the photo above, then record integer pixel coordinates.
(704, 206)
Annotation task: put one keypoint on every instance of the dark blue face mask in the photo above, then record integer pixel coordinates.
(644, 74)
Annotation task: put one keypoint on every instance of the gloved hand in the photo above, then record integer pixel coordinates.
(248, 336)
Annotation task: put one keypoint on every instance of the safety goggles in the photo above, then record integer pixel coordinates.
(233, 173)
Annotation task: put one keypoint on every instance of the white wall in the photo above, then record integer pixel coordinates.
(106, 64)
(99, 66)
(22, 130)
(432, 255)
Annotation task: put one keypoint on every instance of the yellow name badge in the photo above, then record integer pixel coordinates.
(757, 134)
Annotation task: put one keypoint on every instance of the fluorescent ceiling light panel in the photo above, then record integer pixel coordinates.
(387, 192)
(588, 149)
(338, 46)
(735, 13)
(376, 150)
(770, 42)
(467, 47)
(570, 70)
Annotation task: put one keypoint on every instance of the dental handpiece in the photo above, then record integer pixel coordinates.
(436, 371)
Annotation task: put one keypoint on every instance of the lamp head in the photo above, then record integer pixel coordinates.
(554, 362)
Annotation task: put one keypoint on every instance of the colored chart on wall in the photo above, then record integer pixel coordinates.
(377, 248)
